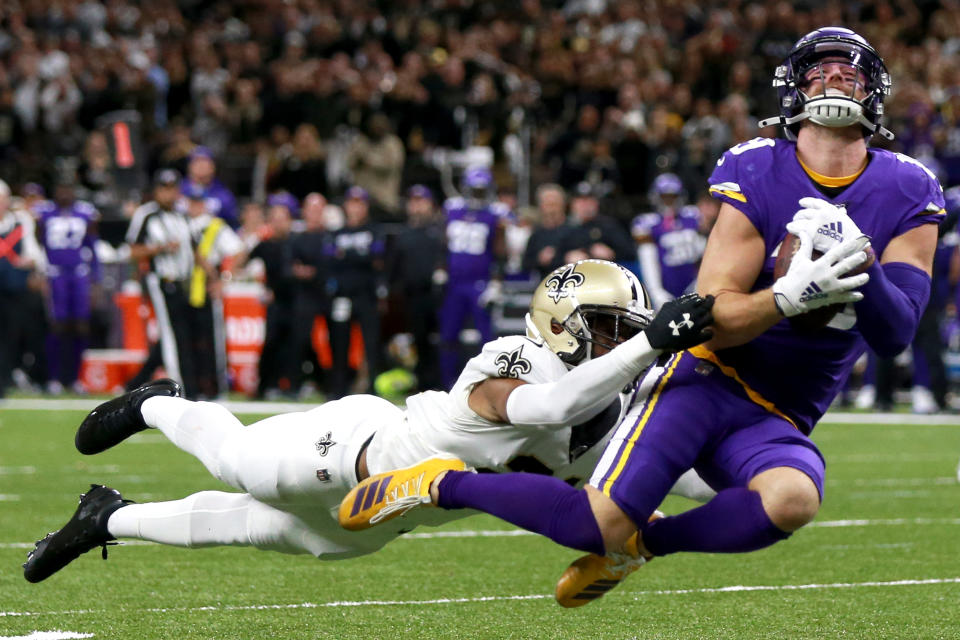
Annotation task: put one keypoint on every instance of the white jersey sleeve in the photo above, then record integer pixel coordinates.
(439, 422)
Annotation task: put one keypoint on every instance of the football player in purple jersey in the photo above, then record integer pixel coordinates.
(740, 408)
(67, 232)
(475, 248)
(669, 243)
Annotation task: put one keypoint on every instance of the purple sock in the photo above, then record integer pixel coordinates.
(733, 522)
(542, 504)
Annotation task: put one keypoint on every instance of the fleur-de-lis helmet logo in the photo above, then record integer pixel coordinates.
(560, 285)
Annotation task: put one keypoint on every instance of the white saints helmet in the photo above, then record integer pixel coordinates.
(585, 303)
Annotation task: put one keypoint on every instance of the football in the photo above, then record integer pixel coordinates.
(818, 318)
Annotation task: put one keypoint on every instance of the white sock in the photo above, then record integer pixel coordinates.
(690, 485)
(209, 518)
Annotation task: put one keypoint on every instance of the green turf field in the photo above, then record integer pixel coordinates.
(881, 561)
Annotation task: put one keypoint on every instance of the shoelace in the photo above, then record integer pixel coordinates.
(103, 551)
(409, 499)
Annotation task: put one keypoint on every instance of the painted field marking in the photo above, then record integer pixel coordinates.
(515, 533)
(248, 407)
(636, 595)
(49, 635)
(893, 482)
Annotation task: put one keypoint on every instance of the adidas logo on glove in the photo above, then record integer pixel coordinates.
(833, 230)
(812, 292)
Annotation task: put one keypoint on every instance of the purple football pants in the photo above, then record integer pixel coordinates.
(696, 416)
(461, 299)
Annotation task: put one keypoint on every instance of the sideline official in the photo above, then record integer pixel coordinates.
(216, 245)
(160, 234)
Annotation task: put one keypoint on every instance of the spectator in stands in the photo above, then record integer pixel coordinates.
(96, 181)
(303, 171)
(244, 117)
(590, 234)
(376, 160)
(12, 134)
(542, 254)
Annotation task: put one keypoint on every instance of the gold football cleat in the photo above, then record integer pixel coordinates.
(591, 576)
(387, 495)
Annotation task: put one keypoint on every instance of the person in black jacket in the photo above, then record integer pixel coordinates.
(417, 253)
(356, 289)
(542, 254)
(591, 235)
(310, 273)
(276, 253)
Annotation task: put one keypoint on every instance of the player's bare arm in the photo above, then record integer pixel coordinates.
(489, 398)
(731, 263)
(915, 247)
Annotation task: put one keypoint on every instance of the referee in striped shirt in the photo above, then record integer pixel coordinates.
(160, 233)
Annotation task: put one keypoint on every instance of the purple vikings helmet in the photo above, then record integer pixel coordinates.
(802, 69)
(478, 186)
(667, 185)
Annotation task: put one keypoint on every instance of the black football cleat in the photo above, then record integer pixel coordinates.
(86, 530)
(116, 420)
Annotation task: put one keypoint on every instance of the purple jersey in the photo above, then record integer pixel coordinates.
(218, 199)
(679, 245)
(68, 237)
(470, 236)
(800, 373)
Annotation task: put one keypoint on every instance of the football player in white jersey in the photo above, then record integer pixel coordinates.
(510, 410)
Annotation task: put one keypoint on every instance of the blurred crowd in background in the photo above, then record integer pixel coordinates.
(287, 115)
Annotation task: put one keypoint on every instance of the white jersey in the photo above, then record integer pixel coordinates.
(294, 469)
(438, 422)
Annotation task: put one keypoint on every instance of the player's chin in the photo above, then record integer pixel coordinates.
(601, 349)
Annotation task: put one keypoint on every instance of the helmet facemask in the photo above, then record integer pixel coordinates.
(597, 325)
(801, 82)
(607, 327)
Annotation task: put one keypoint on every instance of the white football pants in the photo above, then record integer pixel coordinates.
(294, 470)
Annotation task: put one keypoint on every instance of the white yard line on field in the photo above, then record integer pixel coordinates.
(49, 635)
(514, 533)
(244, 407)
(419, 603)
(9, 471)
(31, 545)
(893, 482)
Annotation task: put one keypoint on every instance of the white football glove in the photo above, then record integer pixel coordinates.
(811, 284)
(828, 224)
(491, 294)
